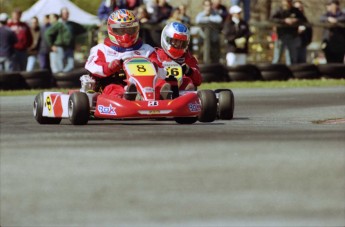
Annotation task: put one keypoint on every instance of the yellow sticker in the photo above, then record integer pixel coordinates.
(154, 112)
(49, 103)
(140, 67)
(176, 71)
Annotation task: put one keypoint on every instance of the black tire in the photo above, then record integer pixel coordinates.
(186, 120)
(332, 70)
(275, 75)
(208, 106)
(226, 105)
(69, 79)
(68, 84)
(78, 108)
(12, 81)
(38, 111)
(305, 71)
(307, 75)
(275, 72)
(272, 67)
(38, 79)
(212, 77)
(303, 67)
(211, 68)
(244, 73)
(214, 72)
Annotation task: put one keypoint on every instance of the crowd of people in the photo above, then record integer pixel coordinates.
(49, 44)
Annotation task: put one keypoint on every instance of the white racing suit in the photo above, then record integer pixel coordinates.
(104, 53)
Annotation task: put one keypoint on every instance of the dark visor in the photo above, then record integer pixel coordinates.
(177, 43)
(129, 30)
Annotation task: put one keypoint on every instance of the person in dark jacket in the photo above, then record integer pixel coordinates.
(334, 34)
(8, 40)
(58, 38)
(75, 29)
(104, 10)
(33, 49)
(305, 33)
(24, 37)
(287, 18)
(161, 13)
(220, 8)
(44, 49)
(236, 33)
(61, 37)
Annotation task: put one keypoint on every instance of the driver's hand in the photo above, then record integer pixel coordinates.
(186, 70)
(115, 65)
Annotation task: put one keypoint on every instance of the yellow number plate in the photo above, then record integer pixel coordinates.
(140, 67)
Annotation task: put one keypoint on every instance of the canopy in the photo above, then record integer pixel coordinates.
(44, 7)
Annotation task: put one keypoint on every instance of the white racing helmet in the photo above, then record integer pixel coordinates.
(175, 39)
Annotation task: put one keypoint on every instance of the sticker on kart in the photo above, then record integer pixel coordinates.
(140, 67)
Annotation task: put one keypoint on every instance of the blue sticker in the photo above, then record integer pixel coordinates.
(179, 27)
(110, 110)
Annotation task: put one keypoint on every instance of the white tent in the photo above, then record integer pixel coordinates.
(44, 7)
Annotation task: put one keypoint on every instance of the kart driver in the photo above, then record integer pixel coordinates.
(174, 41)
(105, 60)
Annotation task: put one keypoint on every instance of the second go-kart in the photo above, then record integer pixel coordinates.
(81, 106)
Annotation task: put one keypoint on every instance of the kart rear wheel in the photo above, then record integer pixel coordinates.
(186, 120)
(78, 108)
(38, 111)
(226, 105)
(208, 102)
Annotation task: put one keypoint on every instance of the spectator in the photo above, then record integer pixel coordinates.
(161, 12)
(75, 29)
(58, 38)
(305, 33)
(33, 49)
(44, 49)
(209, 18)
(185, 19)
(104, 10)
(175, 16)
(61, 37)
(8, 40)
(288, 18)
(220, 8)
(334, 36)
(24, 38)
(236, 33)
(149, 5)
(246, 7)
(145, 28)
(126, 4)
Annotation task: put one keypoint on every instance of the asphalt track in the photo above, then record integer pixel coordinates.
(269, 166)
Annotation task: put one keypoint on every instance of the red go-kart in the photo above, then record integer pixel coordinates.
(185, 107)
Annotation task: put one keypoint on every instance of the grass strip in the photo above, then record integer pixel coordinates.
(245, 84)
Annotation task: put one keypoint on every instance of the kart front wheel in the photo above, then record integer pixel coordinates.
(226, 105)
(38, 111)
(208, 102)
(186, 120)
(78, 108)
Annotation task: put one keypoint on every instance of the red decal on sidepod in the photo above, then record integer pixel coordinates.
(57, 105)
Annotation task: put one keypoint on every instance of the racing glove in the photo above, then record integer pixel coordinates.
(186, 70)
(115, 66)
